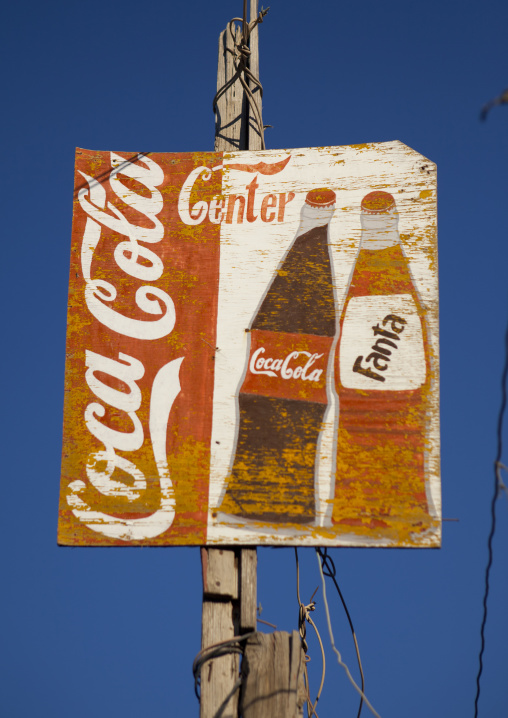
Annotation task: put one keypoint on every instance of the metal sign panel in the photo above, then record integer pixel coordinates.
(252, 349)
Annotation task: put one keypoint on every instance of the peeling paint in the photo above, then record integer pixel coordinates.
(349, 472)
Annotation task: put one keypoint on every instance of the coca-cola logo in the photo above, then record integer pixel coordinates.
(287, 368)
(135, 259)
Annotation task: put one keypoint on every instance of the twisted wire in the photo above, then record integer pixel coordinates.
(303, 617)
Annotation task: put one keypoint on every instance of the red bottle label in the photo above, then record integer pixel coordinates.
(287, 366)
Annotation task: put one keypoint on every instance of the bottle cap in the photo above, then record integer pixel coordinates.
(320, 197)
(378, 203)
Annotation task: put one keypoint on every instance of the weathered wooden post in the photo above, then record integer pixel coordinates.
(251, 449)
(272, 676)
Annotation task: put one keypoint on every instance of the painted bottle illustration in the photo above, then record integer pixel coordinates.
(283, 397)
(382, 373)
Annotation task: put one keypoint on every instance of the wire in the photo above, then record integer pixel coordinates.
(304, 615)
(329, 570)
(339, 657)
(242, 72)
(501, 484)
(215, 650)
(105, 175)
(497, 487)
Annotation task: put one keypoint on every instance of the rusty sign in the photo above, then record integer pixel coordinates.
(252, 349)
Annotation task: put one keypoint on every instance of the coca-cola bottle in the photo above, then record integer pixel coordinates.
(383, 377)
(283, 395)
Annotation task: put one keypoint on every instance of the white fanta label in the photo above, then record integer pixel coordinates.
(381, 346)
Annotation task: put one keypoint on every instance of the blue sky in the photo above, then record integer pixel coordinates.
(114, 631)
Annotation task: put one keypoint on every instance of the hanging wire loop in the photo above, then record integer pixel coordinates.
(305, 617)
(241, 55)
(329, 570)
(222, 648)
(365, 700)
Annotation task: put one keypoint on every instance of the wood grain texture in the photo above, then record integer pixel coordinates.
(218, 676)
(221, 569)
(220, 572)
(248, 589)
(254, 134)
(230, 124)
(273, 676)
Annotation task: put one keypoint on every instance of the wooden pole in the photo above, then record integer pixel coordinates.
(272, 671)
(230, 120)
(254, 135)
(272, 679)
(220, 621)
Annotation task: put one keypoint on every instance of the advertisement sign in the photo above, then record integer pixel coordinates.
(252, 349)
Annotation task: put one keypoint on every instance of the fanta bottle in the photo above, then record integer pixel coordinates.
(382, 375)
